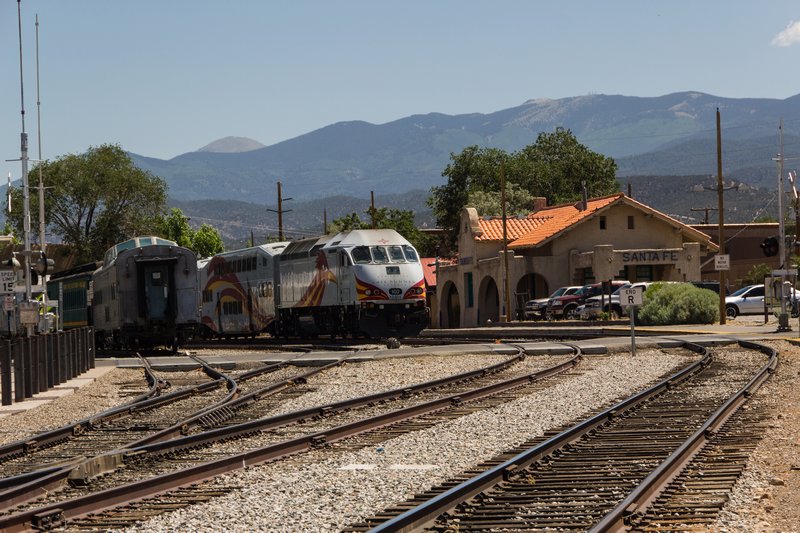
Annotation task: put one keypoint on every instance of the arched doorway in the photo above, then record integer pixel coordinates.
(451, 310)
(488, 301)
(529, 287)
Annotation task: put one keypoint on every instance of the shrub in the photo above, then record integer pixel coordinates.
(678, 303)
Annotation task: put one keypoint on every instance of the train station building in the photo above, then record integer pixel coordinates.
(599, 239)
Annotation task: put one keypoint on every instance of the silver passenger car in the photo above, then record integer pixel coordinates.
(145, 295)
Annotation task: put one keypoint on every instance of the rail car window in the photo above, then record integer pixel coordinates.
(379, 254)
(265, 289)
(411, 254)
(361, 255)
(232, 308)
(97, 297)
(396, 253)
(207, 296)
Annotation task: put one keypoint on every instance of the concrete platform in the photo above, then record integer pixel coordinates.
(59, 391)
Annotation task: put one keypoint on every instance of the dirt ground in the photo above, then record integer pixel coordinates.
(767, 497)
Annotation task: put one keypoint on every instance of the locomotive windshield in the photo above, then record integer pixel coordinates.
(379, 255)
(364, 255)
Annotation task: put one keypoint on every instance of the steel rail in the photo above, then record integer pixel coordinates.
(57, 513)
(54, 436)
(639, 500)
(276, 421)
(153, 398)
(427, 512)
(85, 467)
(10, 487)
(184, 426)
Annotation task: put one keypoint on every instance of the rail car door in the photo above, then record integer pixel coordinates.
(156, 291)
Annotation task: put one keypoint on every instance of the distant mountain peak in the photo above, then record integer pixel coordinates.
(232, 145)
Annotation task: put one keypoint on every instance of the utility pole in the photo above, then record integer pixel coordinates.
(280, 211)
(721, 211)
(706, 210)
(506, 282)
(372, 208)
(783, 319)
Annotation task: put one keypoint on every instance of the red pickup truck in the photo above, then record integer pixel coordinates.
(565, 306)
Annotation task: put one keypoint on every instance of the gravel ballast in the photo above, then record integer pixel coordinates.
(319, 491)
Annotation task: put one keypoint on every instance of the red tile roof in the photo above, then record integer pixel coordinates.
(515, 227)
(540, 227)
(429, 270)
(561, 217)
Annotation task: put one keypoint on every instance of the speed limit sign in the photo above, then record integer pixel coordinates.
(7, 280)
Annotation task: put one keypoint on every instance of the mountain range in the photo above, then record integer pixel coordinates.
(673, 134)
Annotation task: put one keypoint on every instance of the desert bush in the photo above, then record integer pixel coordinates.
(678, 303)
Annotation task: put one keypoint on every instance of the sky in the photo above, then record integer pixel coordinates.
(162, 78)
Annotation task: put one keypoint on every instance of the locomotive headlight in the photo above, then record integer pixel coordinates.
(368, 292)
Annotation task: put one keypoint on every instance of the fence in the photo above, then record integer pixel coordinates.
(29, 365)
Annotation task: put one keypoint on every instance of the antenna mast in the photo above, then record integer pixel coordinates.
(39, 136)
(26, 215)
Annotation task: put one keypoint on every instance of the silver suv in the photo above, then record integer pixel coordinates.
(591, 309)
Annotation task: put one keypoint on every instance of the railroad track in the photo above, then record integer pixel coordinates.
(624, 467)
(179, 463)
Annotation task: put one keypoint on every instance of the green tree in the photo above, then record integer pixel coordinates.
(207, 241)
(757, 273)
(400, 220)
(554, 167)
(175, 227)
(95, 200)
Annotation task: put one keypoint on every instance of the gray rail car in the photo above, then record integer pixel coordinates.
(145, 295)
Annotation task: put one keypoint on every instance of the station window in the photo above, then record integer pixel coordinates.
(468, 289)
(644, 272)
(602, 222)
(630, 221)
(588, 274)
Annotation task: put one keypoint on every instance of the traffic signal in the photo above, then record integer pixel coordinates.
(770, 246)
(12, 263)
(43, 264)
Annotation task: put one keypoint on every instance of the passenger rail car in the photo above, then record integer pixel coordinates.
(237, 291)
(72, 290)
(145, 295)
(360, 283)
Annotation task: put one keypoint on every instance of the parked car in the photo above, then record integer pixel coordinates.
(710, 285)
(566, 305)
(610, 304)
(749, 300)
(535, 309)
